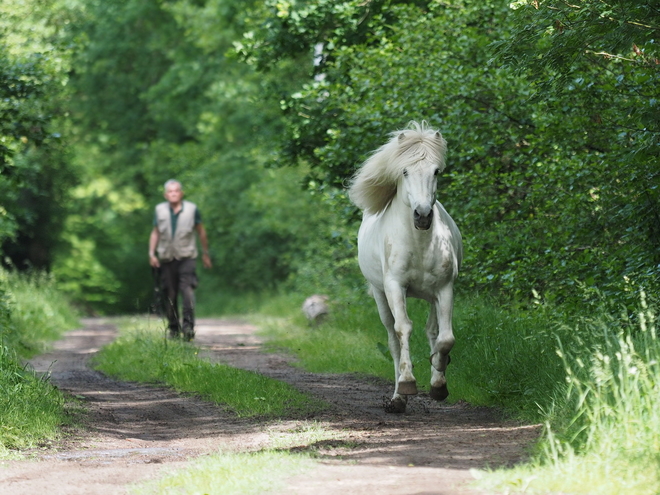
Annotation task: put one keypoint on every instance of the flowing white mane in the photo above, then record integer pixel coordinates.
(374, 184)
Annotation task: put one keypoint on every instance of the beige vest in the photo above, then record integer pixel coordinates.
(184, 244)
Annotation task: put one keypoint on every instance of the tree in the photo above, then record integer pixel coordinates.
(601, 60)
(546, 191)
(34, 172)
(155, 96)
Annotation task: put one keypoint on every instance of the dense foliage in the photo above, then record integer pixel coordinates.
(553, 163)
(597, 64)
(35, 174)
(549, 110)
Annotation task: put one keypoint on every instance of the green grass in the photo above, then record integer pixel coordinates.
(345, 344)
(505, 357)
(502, 357)
(292, 448)
(143, 354)
(231, 474)
(32, 313)
(31, 409)
(40, 313)
(603, 436)
(592, 379)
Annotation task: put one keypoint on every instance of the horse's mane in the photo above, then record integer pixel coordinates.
(374, 185)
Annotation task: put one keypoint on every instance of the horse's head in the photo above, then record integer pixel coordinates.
(417, 188)
(405, 167)
(418, 184)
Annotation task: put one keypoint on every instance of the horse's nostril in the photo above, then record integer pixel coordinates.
(417, 215)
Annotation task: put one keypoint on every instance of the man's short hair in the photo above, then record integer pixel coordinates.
(172, 181)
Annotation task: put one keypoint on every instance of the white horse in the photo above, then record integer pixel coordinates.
(409, 246)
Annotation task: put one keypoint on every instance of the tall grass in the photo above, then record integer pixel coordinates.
(32, 313)
(143, 354)
(31, 409)
(40, 313)
(603, 435)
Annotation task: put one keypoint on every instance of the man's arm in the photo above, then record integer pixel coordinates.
(153, 242)
(201, 231)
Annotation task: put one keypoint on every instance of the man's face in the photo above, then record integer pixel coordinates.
(173, 193)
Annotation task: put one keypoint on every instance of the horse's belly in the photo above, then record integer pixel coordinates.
(425, 285)
(371, 266)
(370, 251)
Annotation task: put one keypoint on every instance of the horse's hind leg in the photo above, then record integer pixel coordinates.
(398, 403)
(441, 339)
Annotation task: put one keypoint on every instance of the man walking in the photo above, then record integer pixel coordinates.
(173, 249)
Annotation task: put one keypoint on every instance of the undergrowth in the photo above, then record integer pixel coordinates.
(32, 313)
(40, 313)
(603, 435)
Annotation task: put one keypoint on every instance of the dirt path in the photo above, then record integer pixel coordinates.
(136, 431)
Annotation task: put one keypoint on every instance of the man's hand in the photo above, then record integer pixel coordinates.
(206, 260)
(153, 242)
(153, 261)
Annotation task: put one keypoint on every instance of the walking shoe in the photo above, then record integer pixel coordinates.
(188, 334)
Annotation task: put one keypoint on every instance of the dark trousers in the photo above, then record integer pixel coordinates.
(179, 276)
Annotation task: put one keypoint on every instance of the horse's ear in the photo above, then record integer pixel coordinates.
(438, 135)
(402, 136)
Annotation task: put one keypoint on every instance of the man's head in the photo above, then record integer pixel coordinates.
(173, 192)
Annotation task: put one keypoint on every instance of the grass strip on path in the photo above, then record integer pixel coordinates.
(292, 449)
(142, 354)
(231, 474)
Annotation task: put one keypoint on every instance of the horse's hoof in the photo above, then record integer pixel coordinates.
(439, 393)
(396, 406)
(407, 388)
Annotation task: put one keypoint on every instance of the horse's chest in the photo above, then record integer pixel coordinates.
(424, 267)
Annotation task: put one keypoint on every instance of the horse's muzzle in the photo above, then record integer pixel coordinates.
(422, 222)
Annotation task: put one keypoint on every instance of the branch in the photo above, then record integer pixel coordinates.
(609, 55)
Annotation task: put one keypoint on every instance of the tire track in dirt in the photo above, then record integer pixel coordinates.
(136, 431)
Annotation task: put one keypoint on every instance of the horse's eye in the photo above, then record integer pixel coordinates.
(405, 172)
(436, 172)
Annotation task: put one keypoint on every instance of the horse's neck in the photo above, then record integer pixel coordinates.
(402, 215)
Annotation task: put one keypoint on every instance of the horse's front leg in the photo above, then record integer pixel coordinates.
(441, 339)
(398, 403)
(400, 334)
